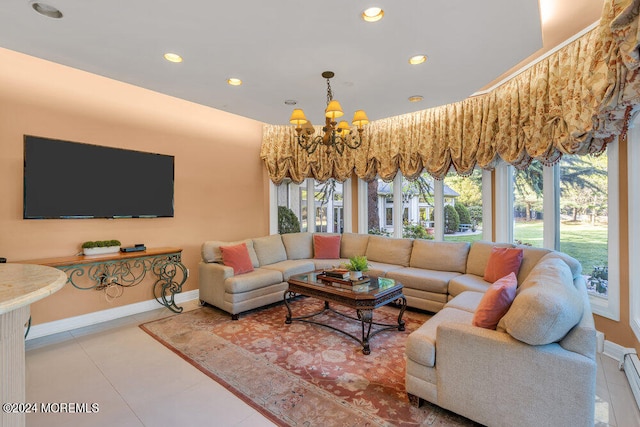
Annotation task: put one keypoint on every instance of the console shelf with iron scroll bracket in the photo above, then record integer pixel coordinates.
(126, 269)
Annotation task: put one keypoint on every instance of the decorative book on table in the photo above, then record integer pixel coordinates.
(346, 281)
(337, 273)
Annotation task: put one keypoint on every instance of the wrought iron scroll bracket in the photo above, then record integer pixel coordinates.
(168, 269)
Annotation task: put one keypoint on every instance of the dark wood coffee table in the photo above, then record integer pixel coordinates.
(363, 298)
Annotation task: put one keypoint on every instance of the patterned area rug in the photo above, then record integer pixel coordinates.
(303, 374)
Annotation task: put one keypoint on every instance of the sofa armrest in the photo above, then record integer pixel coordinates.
(494, 379)
(211, 282)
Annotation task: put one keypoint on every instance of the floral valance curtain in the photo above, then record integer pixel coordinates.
(574, 101)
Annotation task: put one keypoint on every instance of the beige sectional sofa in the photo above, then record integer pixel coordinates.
(537, 368)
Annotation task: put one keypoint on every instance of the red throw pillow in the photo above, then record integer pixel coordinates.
(503, 261)
(237, 257)
(326, 247)
(496, 302)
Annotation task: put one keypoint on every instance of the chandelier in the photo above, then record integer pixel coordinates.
(336, 135)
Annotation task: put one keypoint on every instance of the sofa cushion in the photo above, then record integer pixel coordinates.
(298, 245)
(326, 247)
(503, 261)
(467, 301)
(531, 257)
(479, 254)
(467, 282)
(421, 343)
(237, 257)
(546, 306)
(258, 278)
(441, 256)
(211, 252)
(269, 249)
(291, 266)
(353, 244)
(389, 251)
(381, 269)
(424, 280)
(496, 302)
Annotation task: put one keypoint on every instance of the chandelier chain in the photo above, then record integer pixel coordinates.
(329, 92)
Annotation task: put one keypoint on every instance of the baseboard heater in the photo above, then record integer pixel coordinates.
(631, 366)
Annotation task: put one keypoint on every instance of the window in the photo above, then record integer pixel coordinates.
(579, 197)
(528, 217)
(584, 217)
(464, 196)
(326, 212)
(328, 198)
(412, 209)
(293, 197)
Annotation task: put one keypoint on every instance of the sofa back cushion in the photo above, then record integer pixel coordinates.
(547, 305)
(531, 257)
(479, 256)
(326, 246)
(270, 249)
(211, 252)
(389, 250)
(353, 244)
(298, 245)
(440, 256)
(574, 264)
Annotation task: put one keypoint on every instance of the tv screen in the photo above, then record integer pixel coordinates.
(72, 180)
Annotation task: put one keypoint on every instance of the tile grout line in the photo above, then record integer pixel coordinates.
(135, 414)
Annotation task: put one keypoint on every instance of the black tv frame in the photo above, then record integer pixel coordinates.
(74, 180)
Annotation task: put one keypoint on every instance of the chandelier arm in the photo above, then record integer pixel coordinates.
(353, 143)
(310, 144)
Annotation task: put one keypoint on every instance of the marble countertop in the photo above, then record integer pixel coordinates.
(23, 284)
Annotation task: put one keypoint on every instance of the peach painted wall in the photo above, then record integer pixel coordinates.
(221, 187)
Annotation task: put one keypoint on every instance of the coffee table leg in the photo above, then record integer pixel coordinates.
(366, 317)
(286, 303)
(403, 307)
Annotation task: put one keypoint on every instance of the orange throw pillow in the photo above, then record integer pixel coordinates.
(326, 247)
(237, 256)
(503, 261)
(496, 302)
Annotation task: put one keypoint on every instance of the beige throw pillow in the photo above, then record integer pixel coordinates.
(546, 307)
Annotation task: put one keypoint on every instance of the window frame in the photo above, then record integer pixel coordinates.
(633, 176)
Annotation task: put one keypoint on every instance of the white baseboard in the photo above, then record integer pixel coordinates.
(64, 325)
(613, 350)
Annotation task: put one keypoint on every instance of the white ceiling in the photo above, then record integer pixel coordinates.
(279, 48)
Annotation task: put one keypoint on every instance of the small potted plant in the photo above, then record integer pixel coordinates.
(100, 247)
(356, 266)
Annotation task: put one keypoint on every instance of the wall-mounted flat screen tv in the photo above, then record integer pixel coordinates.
(65, 179)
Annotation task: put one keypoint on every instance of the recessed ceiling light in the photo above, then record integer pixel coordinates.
(372, 14)
(173, 57)
(234, 81)
(46, 10)
(418, 59)
(416, 98)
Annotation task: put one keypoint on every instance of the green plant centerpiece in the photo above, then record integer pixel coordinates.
(100, 247)
(356, 266)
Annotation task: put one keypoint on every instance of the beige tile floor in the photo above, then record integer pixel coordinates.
(136, 381)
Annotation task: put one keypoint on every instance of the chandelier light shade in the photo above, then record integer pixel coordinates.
(335, 136)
